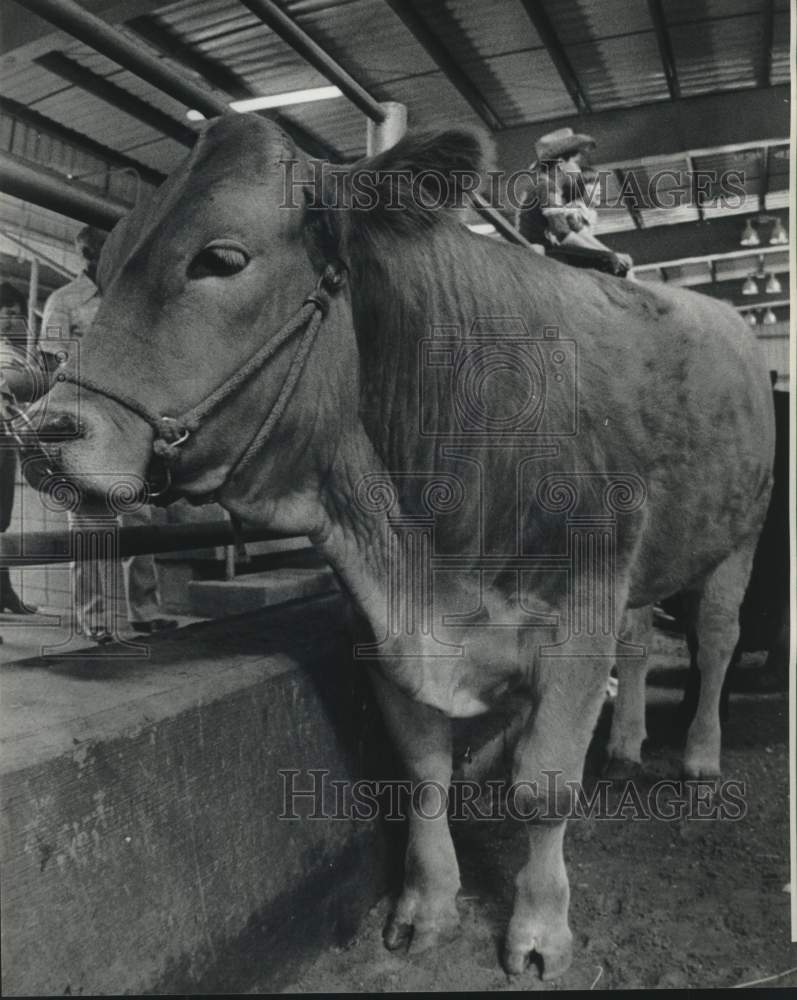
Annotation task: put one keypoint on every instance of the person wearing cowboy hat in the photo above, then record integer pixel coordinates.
(555, 213)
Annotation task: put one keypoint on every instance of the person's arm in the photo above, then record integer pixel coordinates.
(585, 239)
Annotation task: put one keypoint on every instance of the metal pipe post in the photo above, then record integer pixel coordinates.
(381, 135)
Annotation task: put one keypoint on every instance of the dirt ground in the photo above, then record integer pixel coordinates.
(656, 904)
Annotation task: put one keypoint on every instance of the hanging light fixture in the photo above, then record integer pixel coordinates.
(749, 287)
(778, 236)
(773, 285)
(751, 318)
(750, 237)
(769, 317)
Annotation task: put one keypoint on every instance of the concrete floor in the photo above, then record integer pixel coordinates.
(49, 631)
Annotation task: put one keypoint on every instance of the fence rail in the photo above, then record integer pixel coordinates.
(38, 548)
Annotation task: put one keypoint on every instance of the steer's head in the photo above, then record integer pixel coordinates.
(193, 283)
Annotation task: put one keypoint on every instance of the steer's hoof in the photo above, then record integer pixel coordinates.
(418, 936)
(622, 769)
(396, 935)
(701, 765)
(424, 939)
(555, 954)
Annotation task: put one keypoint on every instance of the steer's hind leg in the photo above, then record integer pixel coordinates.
(426, 911)
(628, 730)
(567, 699)
(717, 633)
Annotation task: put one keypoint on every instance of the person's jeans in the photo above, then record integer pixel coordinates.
(93, 580)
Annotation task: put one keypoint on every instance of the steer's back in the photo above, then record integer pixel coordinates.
(681, 377)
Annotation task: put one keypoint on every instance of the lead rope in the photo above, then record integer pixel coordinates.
(172, 432)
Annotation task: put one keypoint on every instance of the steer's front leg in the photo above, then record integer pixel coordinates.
(549, 758)
(426, 912)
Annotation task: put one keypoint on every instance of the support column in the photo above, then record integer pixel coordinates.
(33, 299)
(383, 135)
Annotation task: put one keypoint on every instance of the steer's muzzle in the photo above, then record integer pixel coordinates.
(90, 441)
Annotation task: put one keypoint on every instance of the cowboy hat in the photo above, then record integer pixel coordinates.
(561, 143)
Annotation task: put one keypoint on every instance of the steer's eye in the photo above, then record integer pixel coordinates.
(220, 259)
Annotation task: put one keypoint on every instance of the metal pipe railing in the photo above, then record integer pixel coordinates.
(70, 17)
(501, 224)
(50, 190)
(298, 39)
(39, 548)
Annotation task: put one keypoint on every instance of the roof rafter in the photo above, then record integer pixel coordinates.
(103, 88)
(665, 48)
(545, 29)
(627, 198)
(82, 143)
(422, 33)
(292, 34)
(694, 187)
(763, 186)
(167, 41)
(661, 128)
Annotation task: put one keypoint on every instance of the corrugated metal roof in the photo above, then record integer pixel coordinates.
(160, 154)
(620, 71)
(91, 115)
(499, 50)
(581, 21)
(522, 87)
(437, 102)
(781, 56)
(482, 28)
(29, 83)
(679, 11)
(611, 45)
(722, 54)
(365, 37)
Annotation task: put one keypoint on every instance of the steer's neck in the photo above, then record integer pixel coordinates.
(418, 286)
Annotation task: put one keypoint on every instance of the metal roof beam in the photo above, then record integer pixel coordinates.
(763, 188)
(499, 222)
(663, 245)
(627, 199)
(51, 190)
(103, 88)
(414, 22)
(70, 17)
(298, 39)
(164, 39)
(81, 143)
(663, 128)
(38, 255)
(665, 48)
(695, 188)
(539, 18)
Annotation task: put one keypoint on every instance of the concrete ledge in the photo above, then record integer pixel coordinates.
(141, 849)
(218, 598)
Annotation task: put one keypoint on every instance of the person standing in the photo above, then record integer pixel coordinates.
(69, 312)
(17, 384)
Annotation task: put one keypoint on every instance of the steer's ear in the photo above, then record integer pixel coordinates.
(417, 179)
